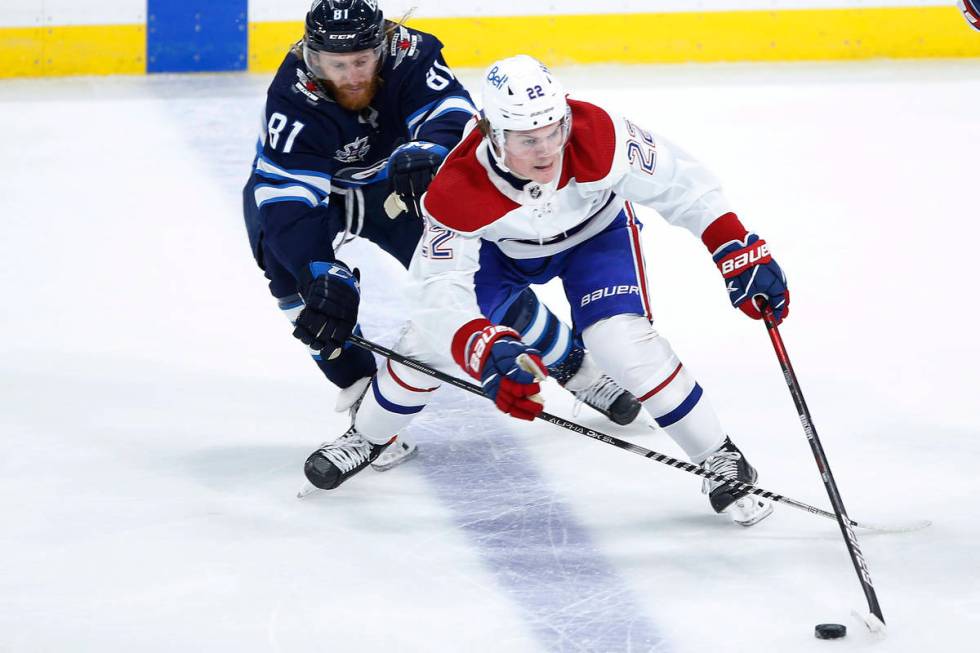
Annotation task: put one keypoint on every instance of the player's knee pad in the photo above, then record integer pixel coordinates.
(629, 349)
(541, 329)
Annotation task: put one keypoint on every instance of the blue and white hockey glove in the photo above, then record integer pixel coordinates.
(507, 369)
(749, 270)
(411, 168)
(332, 294)
(971, 11)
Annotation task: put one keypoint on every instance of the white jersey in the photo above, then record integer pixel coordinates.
(472, 202)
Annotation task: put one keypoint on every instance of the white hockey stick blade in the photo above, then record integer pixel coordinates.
(871, 622)
(895, 527)
(307, 489)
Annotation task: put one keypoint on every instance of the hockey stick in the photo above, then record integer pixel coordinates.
(845, 522)
(616, 442)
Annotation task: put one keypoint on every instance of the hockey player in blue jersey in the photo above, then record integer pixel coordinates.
(358, 117)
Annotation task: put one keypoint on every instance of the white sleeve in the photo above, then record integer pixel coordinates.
(442, 273)
(650, 170)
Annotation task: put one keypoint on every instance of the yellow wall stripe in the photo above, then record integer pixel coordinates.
(268, 43)
(787, 35)
(72, 50)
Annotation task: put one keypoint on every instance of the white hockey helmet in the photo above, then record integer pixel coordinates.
(521, 94)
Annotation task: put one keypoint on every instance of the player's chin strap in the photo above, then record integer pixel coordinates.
(628, 446)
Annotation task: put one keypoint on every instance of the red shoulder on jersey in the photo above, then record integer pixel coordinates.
(589, 153)
(461, 196)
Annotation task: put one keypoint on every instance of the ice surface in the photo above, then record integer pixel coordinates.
(155, 412)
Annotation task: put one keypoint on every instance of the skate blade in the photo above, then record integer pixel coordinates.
(307, 489)
(749, 511)
(401, 454)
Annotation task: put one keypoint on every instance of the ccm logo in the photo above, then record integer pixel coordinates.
(609, 292)
(341, 37)
(745, 258)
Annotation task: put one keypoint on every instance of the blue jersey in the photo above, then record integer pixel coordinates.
(312, 151)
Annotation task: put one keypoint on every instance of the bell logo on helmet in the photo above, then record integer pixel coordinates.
(495, 79)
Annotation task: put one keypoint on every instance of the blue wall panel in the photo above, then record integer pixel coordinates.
(196, 35)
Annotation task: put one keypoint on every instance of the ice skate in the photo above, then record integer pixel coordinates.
(337, 461)
(745, 509)
(601, 393)
(401, 450)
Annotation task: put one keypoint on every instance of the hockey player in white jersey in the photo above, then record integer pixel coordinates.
(540, 187)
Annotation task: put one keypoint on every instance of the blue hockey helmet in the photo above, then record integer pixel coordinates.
(344, 26)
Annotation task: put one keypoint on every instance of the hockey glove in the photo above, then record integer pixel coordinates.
(411, 168)
(332, 295)
(508, 369)
(749, 270)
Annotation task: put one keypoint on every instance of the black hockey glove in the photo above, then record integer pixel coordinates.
(332, 295)
(411, 168)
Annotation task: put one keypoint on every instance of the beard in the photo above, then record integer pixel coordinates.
(356, 100)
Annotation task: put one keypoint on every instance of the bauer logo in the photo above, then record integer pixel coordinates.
(745, 258)
(611, 291)
(495, 78)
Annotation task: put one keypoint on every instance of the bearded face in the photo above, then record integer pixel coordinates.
(354, 97)
(350, 77)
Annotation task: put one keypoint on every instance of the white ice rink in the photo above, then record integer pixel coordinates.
(155, 412)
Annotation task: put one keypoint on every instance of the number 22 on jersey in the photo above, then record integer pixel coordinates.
(641, 149)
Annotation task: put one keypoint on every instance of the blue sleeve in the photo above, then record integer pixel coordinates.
(437, 106)
(292, 184)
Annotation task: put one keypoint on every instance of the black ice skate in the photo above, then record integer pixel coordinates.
(402, 450)
(745, 509)
(607, 397)
(337, 461)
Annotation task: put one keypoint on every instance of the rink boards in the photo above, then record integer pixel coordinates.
(134, 37)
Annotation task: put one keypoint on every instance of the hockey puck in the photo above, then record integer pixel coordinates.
(830, 631)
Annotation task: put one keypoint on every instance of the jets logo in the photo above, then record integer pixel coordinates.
(355, 151)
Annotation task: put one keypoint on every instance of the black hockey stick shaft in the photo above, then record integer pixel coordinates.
(598, 435)
(845, 522)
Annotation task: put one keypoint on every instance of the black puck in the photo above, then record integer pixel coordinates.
(830, 631)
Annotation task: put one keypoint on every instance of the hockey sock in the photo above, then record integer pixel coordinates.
(631, 351)
(396, 395)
